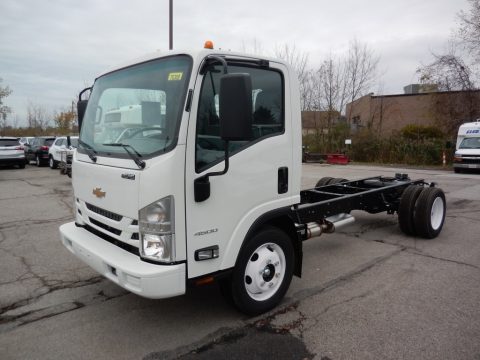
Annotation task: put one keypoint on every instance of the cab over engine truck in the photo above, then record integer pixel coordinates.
(207, 187)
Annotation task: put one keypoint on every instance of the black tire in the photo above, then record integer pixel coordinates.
(457, 170)
(21, 165)
(430, 211)
(52, 163)
(406, 209)
(337, 181)
(263, 252)
(324, 181)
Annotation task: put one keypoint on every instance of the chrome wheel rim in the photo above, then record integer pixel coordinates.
(265, 271)
(436, 215)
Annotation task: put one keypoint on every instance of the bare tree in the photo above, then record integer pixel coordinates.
(339, 80)
(469, 31)
(332, 85)
(360, 70)
(457, 70)
(449, 71)
(37, 117)
(299, 61)
(457, 67)
(5, 91)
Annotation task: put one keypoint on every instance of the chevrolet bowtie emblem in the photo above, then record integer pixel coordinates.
(98, 192)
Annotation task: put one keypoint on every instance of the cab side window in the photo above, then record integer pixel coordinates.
(268, 113)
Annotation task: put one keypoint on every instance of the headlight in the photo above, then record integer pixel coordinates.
(157, 230)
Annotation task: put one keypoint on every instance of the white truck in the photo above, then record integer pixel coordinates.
(209, 197)
(467, 150)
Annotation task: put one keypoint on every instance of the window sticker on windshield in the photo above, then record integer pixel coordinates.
(175, 76)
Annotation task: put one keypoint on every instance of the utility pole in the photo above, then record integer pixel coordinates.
(171, 25)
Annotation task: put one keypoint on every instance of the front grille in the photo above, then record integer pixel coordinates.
(130, 248)
(103, 212)
(471, 161)
(105, 226)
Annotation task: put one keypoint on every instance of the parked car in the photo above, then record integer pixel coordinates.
(60, 145)
(11, 152)
(38, 150)
(26, 140)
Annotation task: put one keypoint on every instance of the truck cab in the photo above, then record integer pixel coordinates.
(467, 153)
(174, 199)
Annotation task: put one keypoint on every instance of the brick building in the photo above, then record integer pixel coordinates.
(318, 121)
(388, 113)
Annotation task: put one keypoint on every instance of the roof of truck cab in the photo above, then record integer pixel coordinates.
(197, 55)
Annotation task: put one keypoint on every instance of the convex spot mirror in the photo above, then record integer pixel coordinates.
(235, 104)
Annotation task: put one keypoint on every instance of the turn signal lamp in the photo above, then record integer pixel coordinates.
(208, 45)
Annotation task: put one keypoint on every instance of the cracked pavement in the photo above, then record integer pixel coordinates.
(367, 291)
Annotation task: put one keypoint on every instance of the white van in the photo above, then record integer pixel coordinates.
(467, 152)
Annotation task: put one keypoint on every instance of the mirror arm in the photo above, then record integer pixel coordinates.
(221, 60)
(227, 163)
(202, 184)
(82, 92)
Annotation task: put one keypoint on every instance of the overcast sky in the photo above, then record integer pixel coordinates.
(49, 50)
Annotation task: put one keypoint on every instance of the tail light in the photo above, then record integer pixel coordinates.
(44, 148)
(19, 148)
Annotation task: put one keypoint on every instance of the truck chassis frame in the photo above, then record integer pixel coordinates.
(373, 195)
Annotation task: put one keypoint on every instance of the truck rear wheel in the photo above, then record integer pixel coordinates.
(430, 212)
(406, 209)
(263, 271)
(337, 181)
(324, 181)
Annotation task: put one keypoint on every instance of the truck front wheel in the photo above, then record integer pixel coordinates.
(263, 271)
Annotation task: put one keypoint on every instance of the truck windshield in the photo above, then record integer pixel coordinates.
(470, 143)
(140, 106)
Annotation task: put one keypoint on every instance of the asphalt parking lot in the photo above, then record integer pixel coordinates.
(367, 291)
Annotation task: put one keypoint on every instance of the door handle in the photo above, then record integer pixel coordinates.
(283, 180)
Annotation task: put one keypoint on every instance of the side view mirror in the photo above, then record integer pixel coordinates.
(81, 107)
(235, 103)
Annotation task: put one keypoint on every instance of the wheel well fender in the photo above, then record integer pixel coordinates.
(280, 218)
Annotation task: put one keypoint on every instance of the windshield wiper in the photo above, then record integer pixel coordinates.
(135, 155)
(89, 150)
